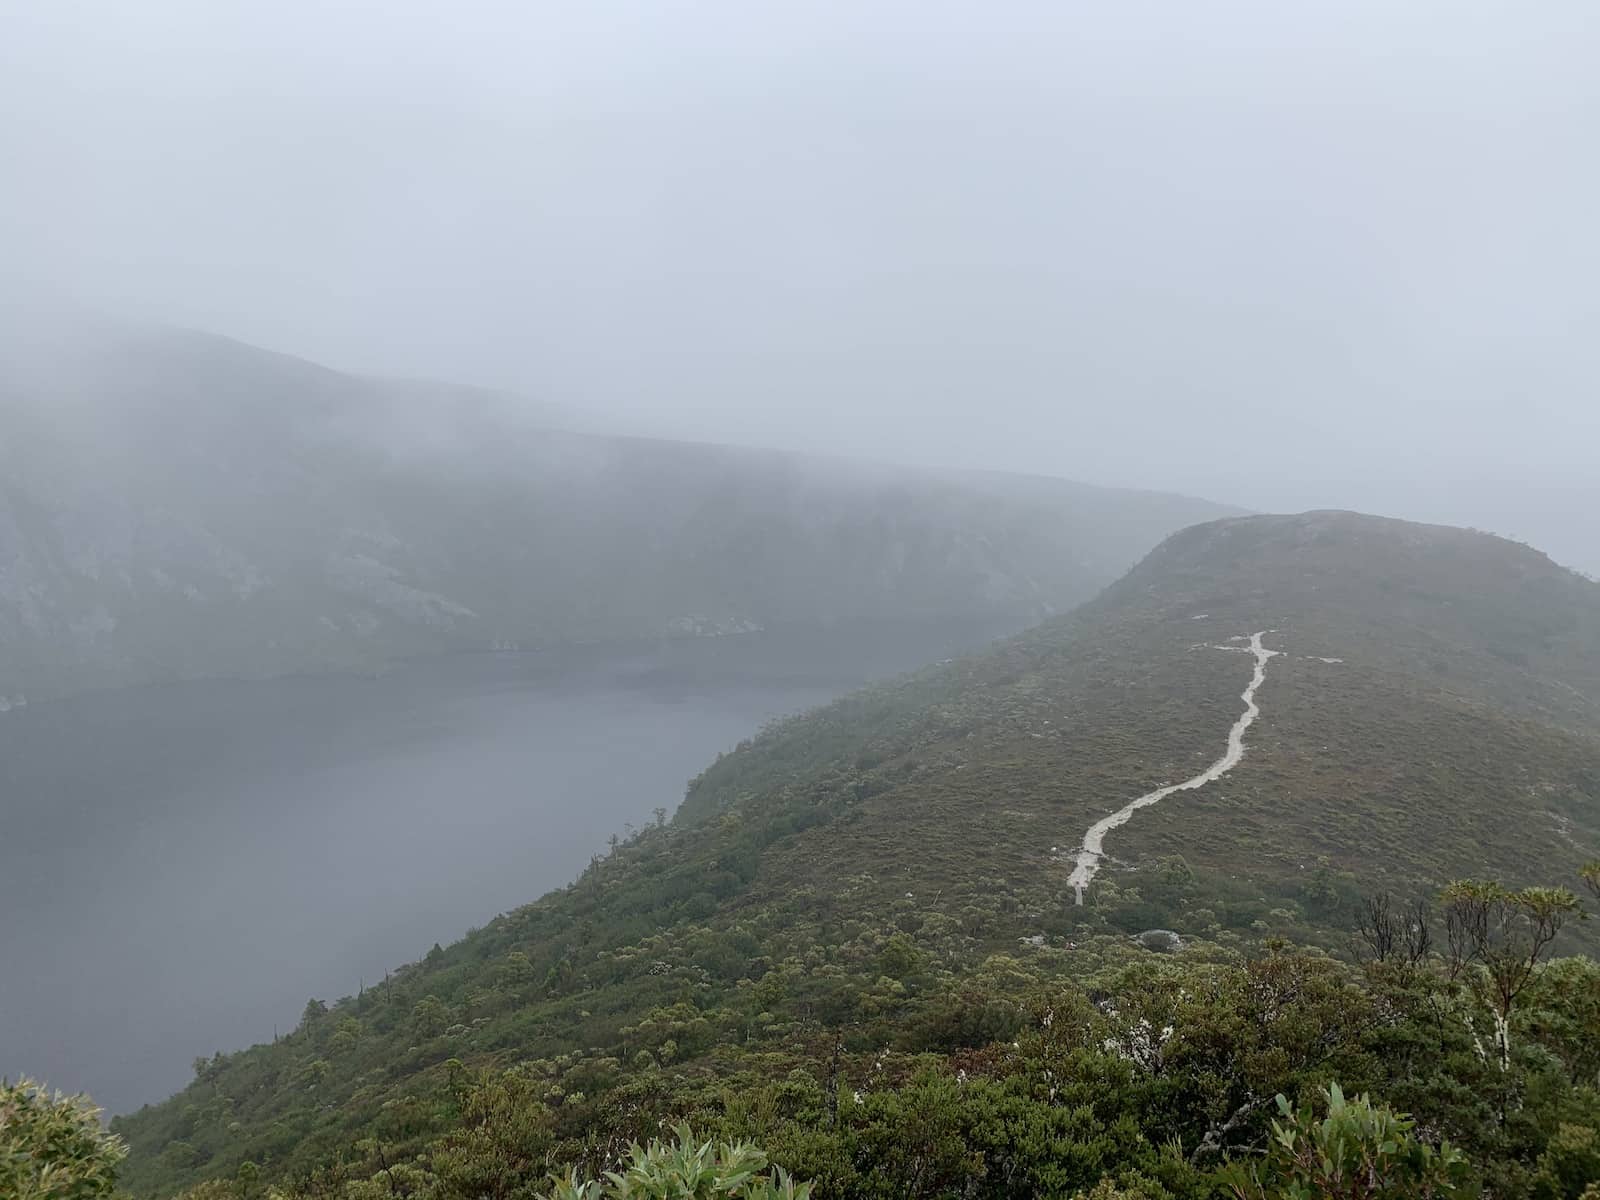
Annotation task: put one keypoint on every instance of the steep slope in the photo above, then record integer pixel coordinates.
(178, 505)
(1432, 709)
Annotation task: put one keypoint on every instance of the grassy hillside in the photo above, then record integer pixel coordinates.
(878, 889)
(174, 505)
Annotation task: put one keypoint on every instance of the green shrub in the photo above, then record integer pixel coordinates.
(52, 1146)
(687, 1169)
(1570, 1161)
(1360, 1150)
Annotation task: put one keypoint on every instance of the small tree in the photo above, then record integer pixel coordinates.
(1389, 932)
(1359, 1151)
(1505, 934)
(899, 957)
(685, 1170)
(430, 1017)
(52, 1146)
(1590, 874)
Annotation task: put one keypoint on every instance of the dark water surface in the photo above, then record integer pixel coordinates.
(181, 867)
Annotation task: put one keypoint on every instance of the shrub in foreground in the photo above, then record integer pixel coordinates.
(52, 1146)
(1360, 1150)
(687, 1169)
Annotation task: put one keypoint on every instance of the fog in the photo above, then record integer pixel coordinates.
(1114, 243)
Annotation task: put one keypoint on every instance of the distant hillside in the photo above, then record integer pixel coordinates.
(1434, 710)
(179, 505)
(890, 874)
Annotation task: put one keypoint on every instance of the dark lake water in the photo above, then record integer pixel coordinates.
(182, 867)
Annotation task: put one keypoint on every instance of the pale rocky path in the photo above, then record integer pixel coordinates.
(1093, 849)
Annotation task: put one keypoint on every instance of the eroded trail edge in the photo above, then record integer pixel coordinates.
(1093, 849)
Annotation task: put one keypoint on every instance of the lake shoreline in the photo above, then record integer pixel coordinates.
(340, 823)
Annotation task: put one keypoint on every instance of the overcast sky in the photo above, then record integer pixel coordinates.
(1280, 254)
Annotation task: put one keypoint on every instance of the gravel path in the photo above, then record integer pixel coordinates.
(1093, 849)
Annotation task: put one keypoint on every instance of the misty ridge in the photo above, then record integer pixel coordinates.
(183, 506)
(803, 601)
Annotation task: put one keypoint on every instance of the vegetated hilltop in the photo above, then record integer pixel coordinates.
(174, 504)
(1434, 709)
(877, 891)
